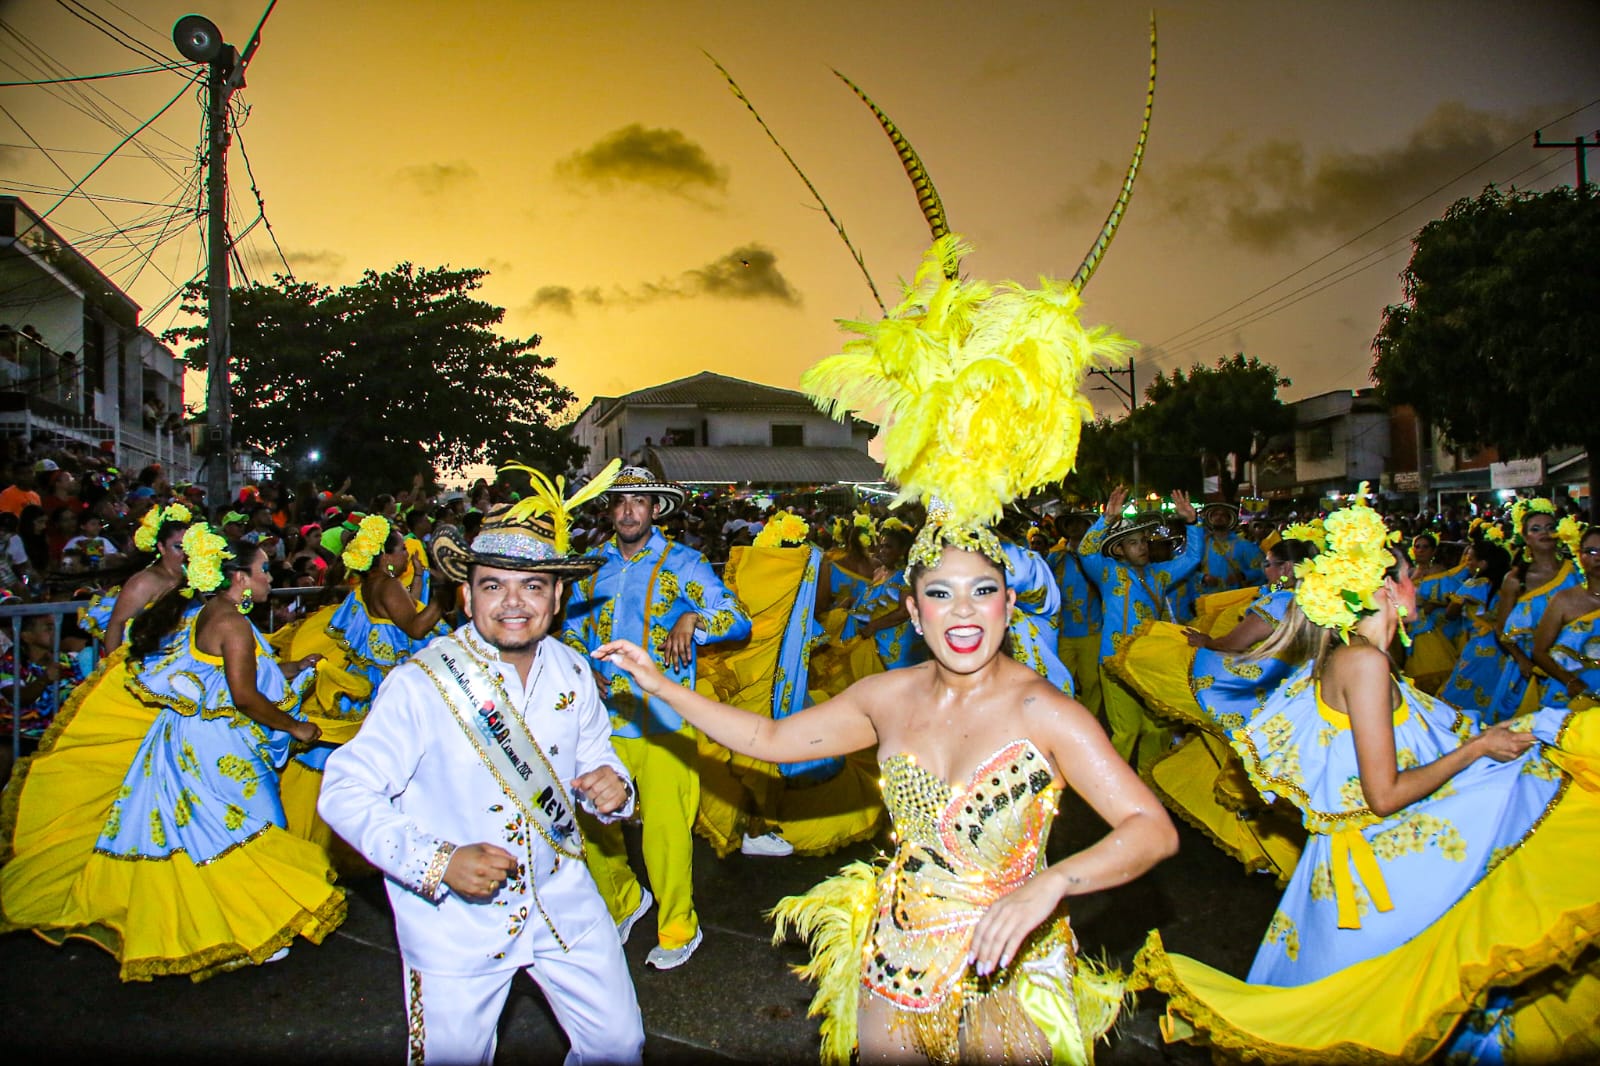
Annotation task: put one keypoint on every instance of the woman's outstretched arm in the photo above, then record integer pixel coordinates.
(837, 727)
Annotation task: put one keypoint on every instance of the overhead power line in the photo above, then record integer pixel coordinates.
(93, 77)
(1174, 338)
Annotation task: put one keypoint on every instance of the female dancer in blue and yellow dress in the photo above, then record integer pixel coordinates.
(374, 629)
(188, 870)
(1211, 684)
(1438, 873)
(1476, 674)
(160, 532)
(1542, 572)
(95, 736)
(1432, 656)
(1566, 646)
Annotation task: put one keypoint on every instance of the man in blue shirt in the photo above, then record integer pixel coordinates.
(1227, 559)
(1133, 590)
(666, 598)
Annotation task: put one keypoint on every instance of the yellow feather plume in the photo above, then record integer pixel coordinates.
(981, 385)
(546, 498)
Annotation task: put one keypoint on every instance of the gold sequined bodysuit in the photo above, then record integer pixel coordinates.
(959, 850)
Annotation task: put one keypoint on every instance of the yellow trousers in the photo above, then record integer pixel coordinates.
(1082, 657)
(668, 789)
(1133, 731)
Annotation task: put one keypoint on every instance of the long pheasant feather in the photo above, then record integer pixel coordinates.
(921, 183)
(1097, 251)
(837, 225)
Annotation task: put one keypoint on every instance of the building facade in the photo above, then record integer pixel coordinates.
(710, 429)
(75, 362)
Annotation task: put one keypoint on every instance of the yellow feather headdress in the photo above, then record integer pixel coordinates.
(981, 385)
(981, 388)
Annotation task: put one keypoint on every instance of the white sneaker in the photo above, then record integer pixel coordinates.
(279, 955)
(670, 959)
(770, 845)
(646, 901)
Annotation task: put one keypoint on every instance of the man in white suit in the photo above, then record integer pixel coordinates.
(462, 787)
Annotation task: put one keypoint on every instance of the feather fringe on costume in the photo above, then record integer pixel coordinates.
(981, 385)
(834, 917)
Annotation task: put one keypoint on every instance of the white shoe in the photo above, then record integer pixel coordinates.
(279, 955)
(670, 959)
(625, 927)
(770, 845)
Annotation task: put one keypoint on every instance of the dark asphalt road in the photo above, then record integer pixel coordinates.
(735, 1001)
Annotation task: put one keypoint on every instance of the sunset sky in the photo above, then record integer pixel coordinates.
(633, 214)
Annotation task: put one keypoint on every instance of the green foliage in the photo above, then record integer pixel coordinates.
(1496, 340)
(398, 374)
(1191, 423)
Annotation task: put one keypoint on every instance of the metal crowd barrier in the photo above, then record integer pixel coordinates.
(282, 607)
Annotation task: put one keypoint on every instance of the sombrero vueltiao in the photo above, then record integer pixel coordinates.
(527, 546)
(1152, 522)
(1219, 505)
(530, 536)
(639, 481)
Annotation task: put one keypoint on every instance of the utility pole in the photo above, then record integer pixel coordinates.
(219, 391)
(1580, 148)
(199, 40)
(1129, 395)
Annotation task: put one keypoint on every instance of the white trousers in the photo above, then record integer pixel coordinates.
(452, 1021)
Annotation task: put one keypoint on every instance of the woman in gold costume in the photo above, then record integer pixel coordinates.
(959, 947)
(960, 943)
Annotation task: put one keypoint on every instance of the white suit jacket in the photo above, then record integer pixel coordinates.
(410, 788)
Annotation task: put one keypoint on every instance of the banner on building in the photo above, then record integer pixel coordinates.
(1516, 474)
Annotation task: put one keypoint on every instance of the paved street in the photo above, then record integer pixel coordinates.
(736, 1001)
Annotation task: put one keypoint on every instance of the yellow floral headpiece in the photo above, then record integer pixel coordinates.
(866, 530)
(783, 530)
(204, 552)
(1519, 514)
(150, 526)
(1570, 531)
(546, 497)
(367, 544)
(1312, 532)
(1339, 585)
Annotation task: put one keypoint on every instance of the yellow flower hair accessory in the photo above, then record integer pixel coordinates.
(367, 544)
(1339, 585)
(1523, 508)
(1519, 514)
(545, 497)
(1570, 531)
(866, 530)
(1494, 534)
(150, 526)
(204, 551)
(783, 530)
(1312, 532)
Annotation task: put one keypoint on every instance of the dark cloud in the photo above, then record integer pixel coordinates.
(437, 179)
(563, 299)
(746, 273)
(1267, 196)
(749, 272)
(660, 159)
(323, 261)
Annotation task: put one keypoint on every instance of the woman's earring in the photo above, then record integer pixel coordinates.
(1400, 611)
(247, 603)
